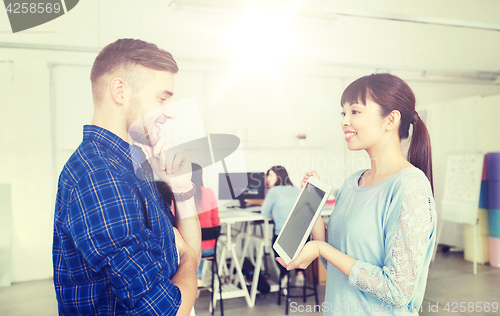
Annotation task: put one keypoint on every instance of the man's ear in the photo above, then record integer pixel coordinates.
(117, 89)
(393, 120)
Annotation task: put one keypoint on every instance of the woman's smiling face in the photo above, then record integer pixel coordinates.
(363, 125)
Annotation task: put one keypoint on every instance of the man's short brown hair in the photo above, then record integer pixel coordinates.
(125, 54)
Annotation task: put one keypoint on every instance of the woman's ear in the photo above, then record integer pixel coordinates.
(393, 120)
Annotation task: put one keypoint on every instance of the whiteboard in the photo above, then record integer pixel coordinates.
(462, 187)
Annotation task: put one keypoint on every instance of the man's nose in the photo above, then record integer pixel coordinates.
(168, 111)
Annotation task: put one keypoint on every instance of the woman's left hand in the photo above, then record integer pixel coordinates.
(305, 257)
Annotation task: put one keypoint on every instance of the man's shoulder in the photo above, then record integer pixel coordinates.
(89, 158)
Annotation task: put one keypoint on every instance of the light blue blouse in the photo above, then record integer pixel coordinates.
(278, 204)
(390, 229)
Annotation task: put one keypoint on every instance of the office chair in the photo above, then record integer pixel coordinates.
(307, 290)
(210, 233)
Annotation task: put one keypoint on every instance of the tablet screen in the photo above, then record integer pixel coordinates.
(301, 217)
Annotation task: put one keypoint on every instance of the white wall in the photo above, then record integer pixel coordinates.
(460, 126)
(5, 235)
(452, 128)
(304, 99)
(26, 158)
(488, 128)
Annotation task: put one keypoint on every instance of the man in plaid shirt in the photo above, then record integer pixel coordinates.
(116, 250)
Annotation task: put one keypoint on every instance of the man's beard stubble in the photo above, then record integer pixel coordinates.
(136, 125)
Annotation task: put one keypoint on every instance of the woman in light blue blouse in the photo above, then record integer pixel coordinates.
(277, 205)
(381, 235)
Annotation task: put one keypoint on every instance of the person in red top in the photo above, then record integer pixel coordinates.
(208, 213)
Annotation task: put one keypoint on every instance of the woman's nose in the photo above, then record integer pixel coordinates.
(345, 121)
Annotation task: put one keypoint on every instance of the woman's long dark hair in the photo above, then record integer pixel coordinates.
(281, 174)
(167, 194)
(392, 93)
(197, 179)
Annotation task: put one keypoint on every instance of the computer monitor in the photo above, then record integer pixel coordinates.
(241, 186)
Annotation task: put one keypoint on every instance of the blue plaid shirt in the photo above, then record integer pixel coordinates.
(114, 251)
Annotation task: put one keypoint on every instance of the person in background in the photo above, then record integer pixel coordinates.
(208, 213)
(167, 194)
(381, 235)
(277, 205)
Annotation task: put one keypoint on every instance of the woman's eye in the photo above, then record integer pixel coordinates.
(342, 114)
(163, 100)
(355, 112)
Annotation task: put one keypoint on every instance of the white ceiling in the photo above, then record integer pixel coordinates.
(326, 40)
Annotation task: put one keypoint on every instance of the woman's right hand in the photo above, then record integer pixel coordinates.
(307, 255)
(306, 176)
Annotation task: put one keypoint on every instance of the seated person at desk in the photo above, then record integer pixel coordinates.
(277, 205)
(208, 213)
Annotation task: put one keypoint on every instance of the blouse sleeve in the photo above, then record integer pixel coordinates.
(410, 225)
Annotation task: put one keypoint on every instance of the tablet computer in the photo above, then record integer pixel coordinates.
(301, 219)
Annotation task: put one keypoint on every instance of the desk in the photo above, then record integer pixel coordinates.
(230, 217)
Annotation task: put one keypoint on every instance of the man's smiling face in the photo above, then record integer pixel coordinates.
(150, 107)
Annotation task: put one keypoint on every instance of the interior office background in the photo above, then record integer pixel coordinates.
(265, 76)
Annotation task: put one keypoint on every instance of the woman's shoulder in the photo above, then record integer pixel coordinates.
(407, 178)
(412, 173)
(291, 188)
(206, 191)
(284, 189)
(412, 178)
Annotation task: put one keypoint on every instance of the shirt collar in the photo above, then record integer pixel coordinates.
(131, 153)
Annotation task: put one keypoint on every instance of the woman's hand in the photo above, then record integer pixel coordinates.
(306, 176)
(305, 257)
